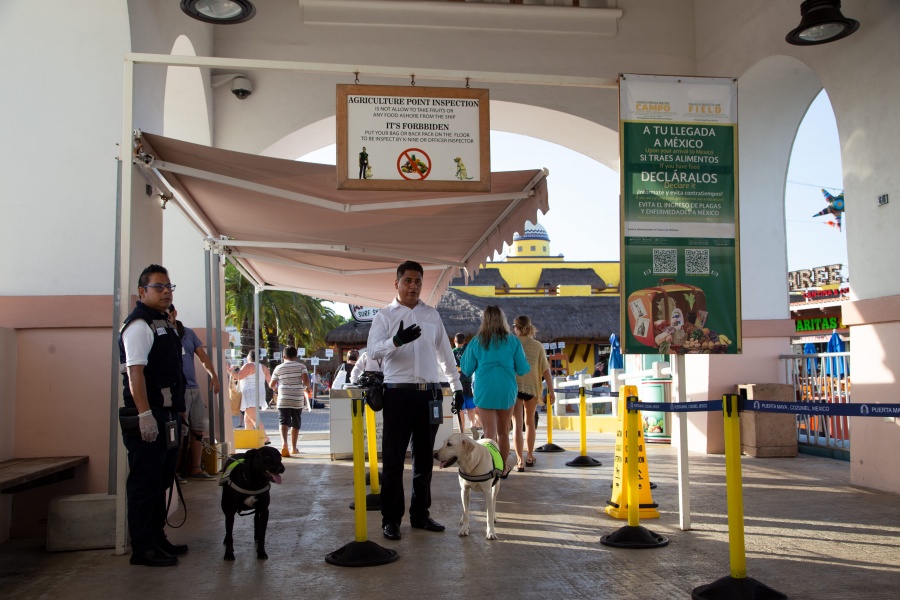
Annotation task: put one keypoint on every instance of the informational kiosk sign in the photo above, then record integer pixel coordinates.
(413, 138)
(679, 207)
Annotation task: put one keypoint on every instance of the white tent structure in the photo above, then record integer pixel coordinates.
(287, 226)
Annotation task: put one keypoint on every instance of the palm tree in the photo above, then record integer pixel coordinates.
(284, 316)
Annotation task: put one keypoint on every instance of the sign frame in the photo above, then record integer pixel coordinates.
(679, 211)
(402, 94)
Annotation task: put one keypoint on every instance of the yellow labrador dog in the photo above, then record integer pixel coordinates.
(479, 469)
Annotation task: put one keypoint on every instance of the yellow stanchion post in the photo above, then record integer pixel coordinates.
(734, 490)
(359, 470)
(371, 434)
(362, 552)
(584, 460)
(373, 498)
(737, 585)
(633, 535)
(632, 423)
(549, 446)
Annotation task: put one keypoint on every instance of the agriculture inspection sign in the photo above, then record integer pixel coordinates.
(413, 138)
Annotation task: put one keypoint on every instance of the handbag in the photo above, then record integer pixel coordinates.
(372, 383)
(235, 395)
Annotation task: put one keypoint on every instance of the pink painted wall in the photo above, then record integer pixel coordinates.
(875, 442)
(62, 398)
(709, 376)
(7, 416)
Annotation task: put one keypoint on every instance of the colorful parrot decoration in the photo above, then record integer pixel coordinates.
(835, 207)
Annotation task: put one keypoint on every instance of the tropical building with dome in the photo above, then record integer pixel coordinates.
(573, 304)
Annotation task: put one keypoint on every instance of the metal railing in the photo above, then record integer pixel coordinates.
(821, 377)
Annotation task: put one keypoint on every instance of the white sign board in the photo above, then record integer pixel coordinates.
(363, 314)
(301, 351)
(413, 138)
(329, 353)
(314, 361)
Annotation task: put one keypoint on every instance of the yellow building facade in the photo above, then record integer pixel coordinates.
(531, 271)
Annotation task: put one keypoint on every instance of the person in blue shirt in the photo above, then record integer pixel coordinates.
(196, 411)
(495, 357)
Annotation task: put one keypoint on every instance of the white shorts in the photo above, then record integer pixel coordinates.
(195, 410)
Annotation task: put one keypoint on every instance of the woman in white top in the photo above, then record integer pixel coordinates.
(250, 389)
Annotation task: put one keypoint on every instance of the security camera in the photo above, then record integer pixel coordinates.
(241, 87)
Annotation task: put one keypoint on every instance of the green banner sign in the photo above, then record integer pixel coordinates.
(680, 251)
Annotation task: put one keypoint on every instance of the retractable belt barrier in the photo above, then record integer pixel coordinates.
(799, 408)
(731, 405)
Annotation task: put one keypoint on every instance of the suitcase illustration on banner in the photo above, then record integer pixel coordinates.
(655, 310)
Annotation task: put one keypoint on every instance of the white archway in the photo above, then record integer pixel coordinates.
(186, 116)
(186, 104)
(575, 133)
(773, 97)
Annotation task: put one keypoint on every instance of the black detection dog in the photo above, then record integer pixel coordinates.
(245, 487)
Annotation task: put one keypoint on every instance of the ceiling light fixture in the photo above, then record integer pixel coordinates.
(219, 12)
(821, 22)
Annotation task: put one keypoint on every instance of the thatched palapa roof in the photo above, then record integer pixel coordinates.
(584, 318)
(555, 277)
(486, 277)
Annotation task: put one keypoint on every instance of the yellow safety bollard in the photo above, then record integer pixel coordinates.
(633, 535)
(584, 460)
(734, 489)
(549, 446)
(619, 503)
(738, 585)
(374, 485)
(362, 552)
(359, 470)
(632, 423)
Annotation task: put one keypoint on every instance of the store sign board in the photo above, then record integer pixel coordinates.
(825, 323)
(815, 277)
(413, 138)
(363, 314)
(679, 208)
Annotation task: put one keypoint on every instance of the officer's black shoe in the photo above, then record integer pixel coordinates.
(154, 558)
(392, 531)
(170, 548)
(427, 524)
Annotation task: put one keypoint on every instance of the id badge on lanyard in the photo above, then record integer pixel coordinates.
(172, 440)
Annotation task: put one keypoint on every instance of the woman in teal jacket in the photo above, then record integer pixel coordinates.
(495, 357)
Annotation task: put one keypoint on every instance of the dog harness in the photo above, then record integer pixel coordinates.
(225, 479)
(495, 473)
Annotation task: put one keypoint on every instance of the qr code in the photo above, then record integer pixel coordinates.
(665, 261)
(696, 262)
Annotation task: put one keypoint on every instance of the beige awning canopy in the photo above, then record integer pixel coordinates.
(288, 227)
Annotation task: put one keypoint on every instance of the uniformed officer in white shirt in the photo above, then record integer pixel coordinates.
(409, 339)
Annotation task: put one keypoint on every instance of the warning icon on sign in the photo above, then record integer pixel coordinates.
(414, 164)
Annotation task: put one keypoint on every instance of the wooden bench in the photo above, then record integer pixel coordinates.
(20, 474)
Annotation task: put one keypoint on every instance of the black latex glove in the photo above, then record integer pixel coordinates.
(457, 401)
(405, 336)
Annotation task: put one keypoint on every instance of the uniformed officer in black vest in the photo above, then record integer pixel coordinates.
(150, 360)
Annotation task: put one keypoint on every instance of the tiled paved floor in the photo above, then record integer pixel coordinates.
(809, 534)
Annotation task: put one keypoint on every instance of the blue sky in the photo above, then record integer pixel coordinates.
(583, 220)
